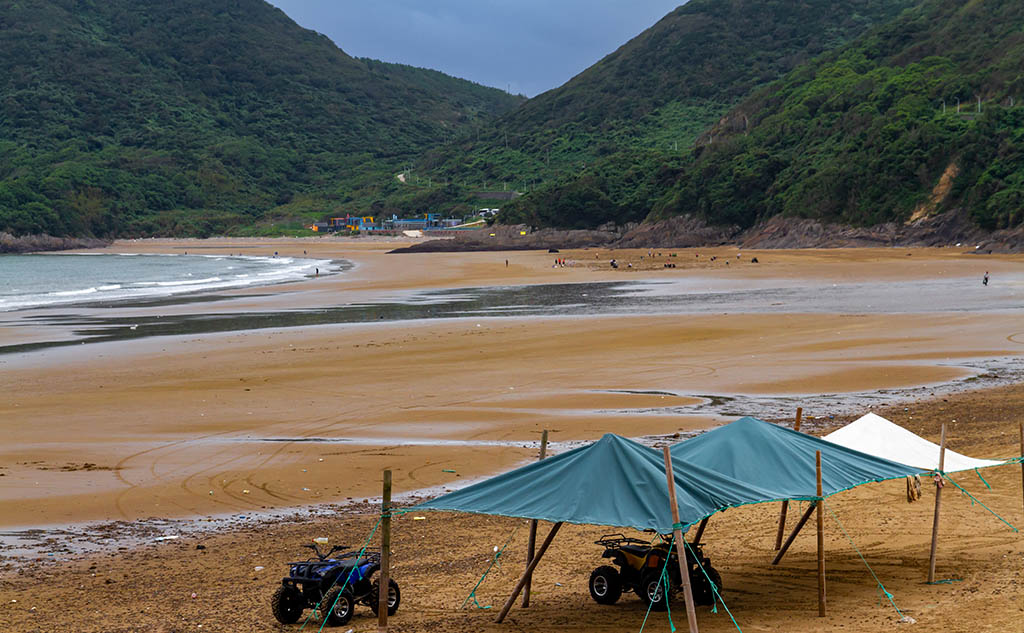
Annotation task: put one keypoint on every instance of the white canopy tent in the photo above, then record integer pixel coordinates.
(874, 435)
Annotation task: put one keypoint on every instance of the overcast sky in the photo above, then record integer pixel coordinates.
(528, 46)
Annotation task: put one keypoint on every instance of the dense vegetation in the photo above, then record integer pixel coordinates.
(886, 128)
(866, 134)
(139, 117)
(641, 107)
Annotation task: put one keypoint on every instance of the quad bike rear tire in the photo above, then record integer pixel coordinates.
(702, 592)
(652, 591)
(394, 596)
(287, 604)
(605, 585)
(337, 606)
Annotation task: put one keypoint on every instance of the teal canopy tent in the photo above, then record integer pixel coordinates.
(614, 481)
(618, 482)
(782, 460)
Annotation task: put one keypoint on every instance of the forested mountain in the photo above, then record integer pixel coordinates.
(918, 116)
(643, 105)
(129, 117)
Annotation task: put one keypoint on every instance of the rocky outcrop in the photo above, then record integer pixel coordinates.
(947, 229)
(37, 243)
(514, 238)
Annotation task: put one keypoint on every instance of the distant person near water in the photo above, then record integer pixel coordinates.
(984, 280)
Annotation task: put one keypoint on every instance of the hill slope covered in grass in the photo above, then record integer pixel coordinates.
(137, 117)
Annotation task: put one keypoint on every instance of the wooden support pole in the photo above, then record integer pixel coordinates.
(821, 541)
(792, 535)
(531, 545)
(385, 555)
(700, 531)
(529, 571)
(785, 504)
(1022, 455)
(684, 566)
(938, 502)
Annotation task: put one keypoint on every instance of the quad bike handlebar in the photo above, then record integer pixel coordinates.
(323, 555)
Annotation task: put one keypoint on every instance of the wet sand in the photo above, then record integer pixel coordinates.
(179, 425)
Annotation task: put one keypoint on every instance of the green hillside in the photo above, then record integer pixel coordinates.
(651, 98)
(873, 132)
(137, 117)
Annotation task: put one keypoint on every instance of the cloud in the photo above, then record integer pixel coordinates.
(530, 45)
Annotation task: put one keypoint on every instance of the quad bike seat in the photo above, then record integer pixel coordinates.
(636, 550)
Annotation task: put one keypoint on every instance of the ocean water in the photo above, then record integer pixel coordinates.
(33, 281)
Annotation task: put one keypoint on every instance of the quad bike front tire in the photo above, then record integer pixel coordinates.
(337, 606)
(394, 596)
(652, 591)
(702, 593)
(605, 585)
(287, 604)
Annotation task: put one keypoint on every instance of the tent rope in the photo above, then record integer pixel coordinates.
(663, 578)
(348, 577)
(978, 473)
(978, 501)
(494, 561)
(945, 581)
(714, 589)
(881, 587)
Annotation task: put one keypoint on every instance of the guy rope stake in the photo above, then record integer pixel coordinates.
(938, 501)
(532, 543)
(677, 531)
(785, 504)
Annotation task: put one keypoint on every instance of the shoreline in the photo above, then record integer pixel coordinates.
(167, 425)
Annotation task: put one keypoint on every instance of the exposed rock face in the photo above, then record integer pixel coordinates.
(511, 238)
(946, 229)
(34, 243)
(679, 232)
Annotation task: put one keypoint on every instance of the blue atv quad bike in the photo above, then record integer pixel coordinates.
(322, 581)
(639, 570)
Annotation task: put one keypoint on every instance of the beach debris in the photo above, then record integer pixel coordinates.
(245, 492)
(305, 489)
(419, 518)
(258, 568)
(171, 537)
(13, 601)
(200, 546)
(194, 595)
(447, 470)
(907, 620)
(211, 492)
(320, 460)
(558, 584)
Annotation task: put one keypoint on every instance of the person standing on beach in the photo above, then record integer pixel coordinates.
(984, 280)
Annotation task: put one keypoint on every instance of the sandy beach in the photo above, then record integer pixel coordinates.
(245, 421)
